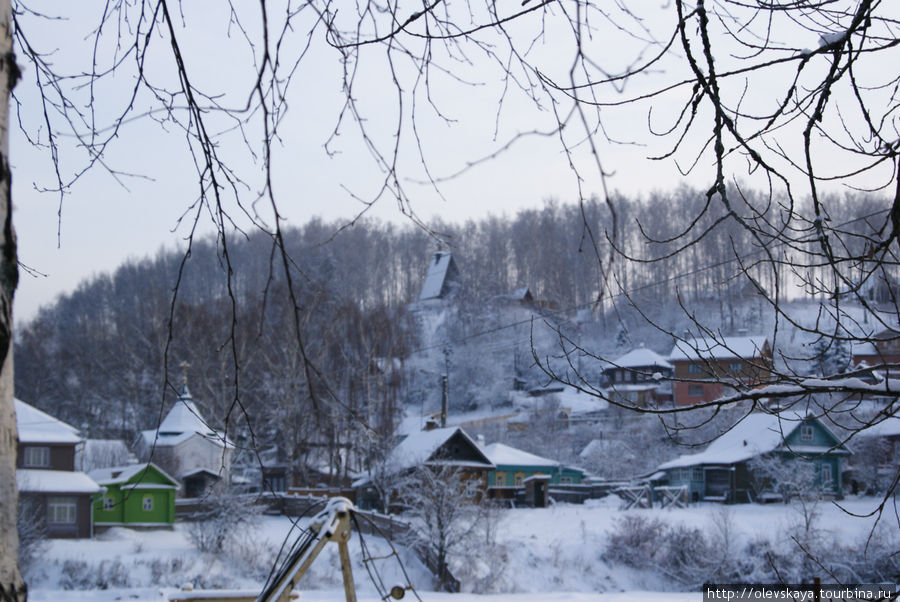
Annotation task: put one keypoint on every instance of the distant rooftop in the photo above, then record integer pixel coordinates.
(721, 348)
(442, 273)
(642, 358)
(35, 426)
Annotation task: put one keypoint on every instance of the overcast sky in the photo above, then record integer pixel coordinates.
(109, 219)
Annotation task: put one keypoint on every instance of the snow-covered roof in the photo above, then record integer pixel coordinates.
(595, 446)
(438, 270)
(419, 448)
(501, 454)
(181, 423)
(718, 349)
(121, 474)
(102, 453)
(55, 481)
(569, 398)
(521, 294)
(864, 349)
(758, 433)
(889, 427)
(35, 426)
(642, 358)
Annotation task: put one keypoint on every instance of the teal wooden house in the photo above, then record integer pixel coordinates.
(140, 495)
(514, 467)
(729, 469)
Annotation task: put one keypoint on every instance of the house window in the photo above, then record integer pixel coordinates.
(694, 368)
(147, 503)
(695, 390)
(471, 488)
(108, 503)
(698, 475)
(36, 457)
(735, 366)
(565, 480)
(61, 510)
(500, 479)
(806, 432)
(519, 479)
(827, 477)
(274, 483)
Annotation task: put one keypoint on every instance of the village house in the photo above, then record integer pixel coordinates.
(56, 494)
(437, 449)
(517, 472)
(640, 378)
(884, 348)
(187, 447)
(442, 280)
(706, 369)
(139, 495)
(886, 435)
(724, 471)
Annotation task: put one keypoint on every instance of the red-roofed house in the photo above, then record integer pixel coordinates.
(706, 368)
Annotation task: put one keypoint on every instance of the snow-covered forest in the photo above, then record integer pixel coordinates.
(107, 357)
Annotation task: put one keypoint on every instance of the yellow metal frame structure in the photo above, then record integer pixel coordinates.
(332, 524)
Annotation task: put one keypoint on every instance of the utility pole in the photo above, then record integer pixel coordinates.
(445, 387)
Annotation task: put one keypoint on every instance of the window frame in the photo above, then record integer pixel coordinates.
(41, 461)
(147, 503)
(807, 433)
(62, 510)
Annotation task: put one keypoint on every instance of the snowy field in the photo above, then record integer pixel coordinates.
(552, 554)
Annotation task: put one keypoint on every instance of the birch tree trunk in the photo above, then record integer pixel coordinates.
(11, 584)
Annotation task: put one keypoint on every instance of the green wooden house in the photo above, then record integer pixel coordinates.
(731, 468)
(140, 495)
(514, 467)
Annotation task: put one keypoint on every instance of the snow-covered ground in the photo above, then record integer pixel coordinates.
(552, 554)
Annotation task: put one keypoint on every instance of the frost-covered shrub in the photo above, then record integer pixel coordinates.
(685, 555)
(483, 568)
(764, 562)
(75, 575)
(252, 557)
(32, 531)
(635, 541)
(870, 560)
(166, 571)
(225, 519)
(81, 575)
